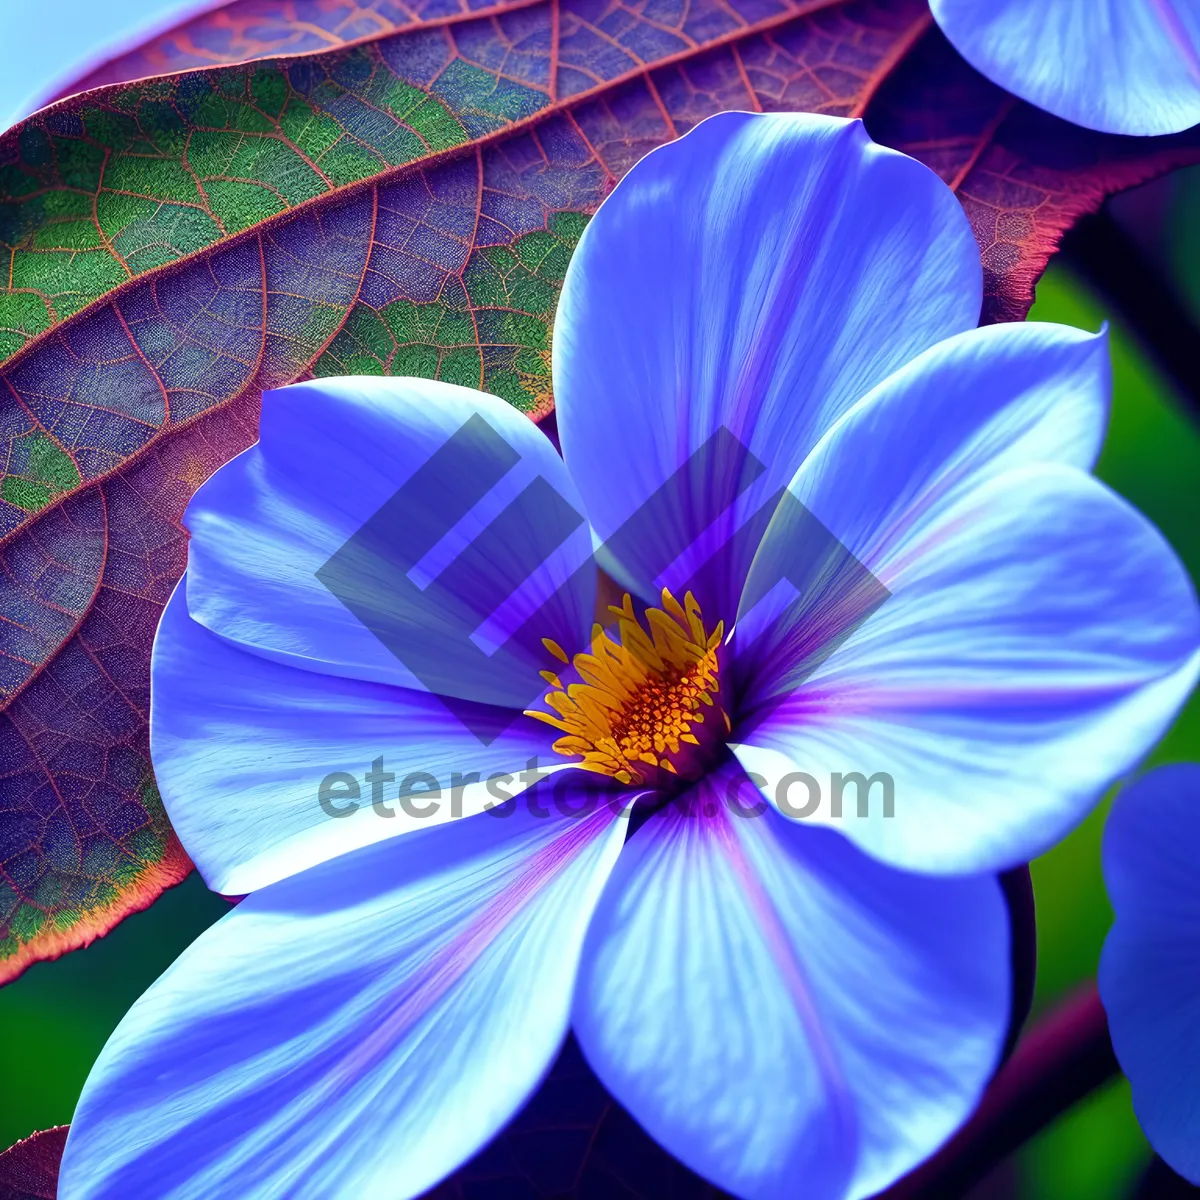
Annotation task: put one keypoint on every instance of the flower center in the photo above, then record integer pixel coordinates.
(647, 701)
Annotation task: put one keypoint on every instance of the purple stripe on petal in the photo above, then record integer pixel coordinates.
(360, 1029)
(774, 1006)
(754, 280)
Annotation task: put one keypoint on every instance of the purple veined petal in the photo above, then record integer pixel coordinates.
(264, 768)
(1119, 66)
(776, 1008)
(358, 1030)
(395, 530)
(1039, 637)
(1150, 968)
(740, 289)
(968, 409)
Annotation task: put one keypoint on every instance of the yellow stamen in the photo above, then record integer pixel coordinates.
(642, 693)
(555, 649)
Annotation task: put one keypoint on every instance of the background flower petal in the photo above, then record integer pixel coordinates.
(414, 471)
(360, 1029)
(1150, 970)
(242, 745)
(1121, 66)
(1039, 637)
(759, 276)
(773, 1006)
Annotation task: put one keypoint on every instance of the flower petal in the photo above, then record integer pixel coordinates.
(740, 289)
(965, 411)
(1120, 66)
(1150, 969)
(779, 1010)
(358, 1030)
(396, 530)
(1038, 639)
(243, 748)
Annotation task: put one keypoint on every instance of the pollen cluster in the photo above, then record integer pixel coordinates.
(647, 701)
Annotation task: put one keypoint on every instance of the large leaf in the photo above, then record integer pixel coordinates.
(404, 205)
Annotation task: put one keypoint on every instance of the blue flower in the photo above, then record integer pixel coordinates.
(1150, 970)
(772, 399)
(1119, 66)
